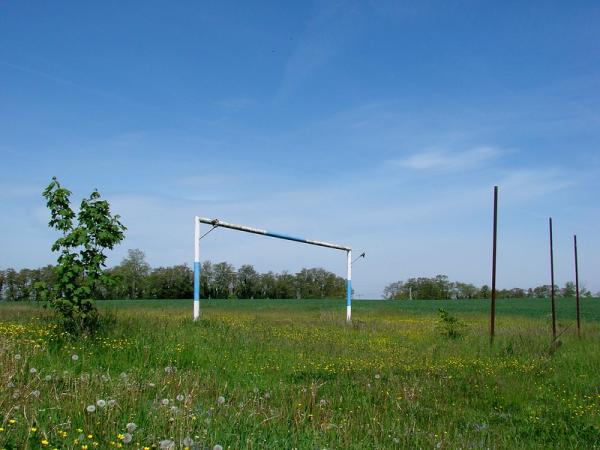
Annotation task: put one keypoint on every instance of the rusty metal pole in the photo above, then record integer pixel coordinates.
(494, 240)
(552, 285)
(577, 286)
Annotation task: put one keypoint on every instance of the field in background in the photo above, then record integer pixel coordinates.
(285, 374)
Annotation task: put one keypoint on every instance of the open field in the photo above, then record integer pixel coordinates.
(291, 374)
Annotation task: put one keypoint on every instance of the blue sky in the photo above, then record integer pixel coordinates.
(379, 125)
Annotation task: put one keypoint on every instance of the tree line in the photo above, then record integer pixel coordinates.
(441, 288)
(133, 278)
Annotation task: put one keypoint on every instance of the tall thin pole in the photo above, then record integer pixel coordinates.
(577, 286)
(196, 268)
(552, 281)
(349, 289)
(494, 240)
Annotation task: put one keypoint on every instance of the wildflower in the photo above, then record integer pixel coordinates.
(221, 400)
(131, 427)
(180, 397)
(218, 447)
(17, 356)
(377, 376)
(16, 395)
(33, 429)
(74, 357)
(168, 369)
(174, 409)
(10, 384)
(48, 377)
(91, 408)
(151, 385)
(123, 375)
(111, 403)
(33, 370)
(35, 393)
(101, 403)
(105, 378)
(44, 442)
(164, 401)
(188, 442)
(127, 438)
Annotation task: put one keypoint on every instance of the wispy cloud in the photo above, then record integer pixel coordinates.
(326, 33)
(447, 160)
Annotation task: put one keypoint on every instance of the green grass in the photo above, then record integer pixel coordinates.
(292, 374)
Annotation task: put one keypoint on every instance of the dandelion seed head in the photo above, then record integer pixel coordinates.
(188, 442)
(74, 357)
(101, 403)
(16, 395)
(91, 408)
(221, 400)
(111, 403)
(174, 409)
(164, 401)
(48, 377)
(218, 447)
(377, 376)
(33, 370)
(127, 438)
(168, 369)
(181, 397)
(105, 378)
(17, 356)
(10, 384)
(131, 427)
(166, 444)
(35, 393)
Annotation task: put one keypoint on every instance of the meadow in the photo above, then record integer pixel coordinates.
(291, 374)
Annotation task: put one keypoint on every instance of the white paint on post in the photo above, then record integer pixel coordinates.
(349, 289)
(196, 268)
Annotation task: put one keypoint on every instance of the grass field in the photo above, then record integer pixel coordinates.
(291, 374)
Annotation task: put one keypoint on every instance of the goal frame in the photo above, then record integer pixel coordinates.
(218, 223)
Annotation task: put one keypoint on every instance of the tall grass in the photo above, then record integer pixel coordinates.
(267, 374)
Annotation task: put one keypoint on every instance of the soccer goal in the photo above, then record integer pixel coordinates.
(217, 223)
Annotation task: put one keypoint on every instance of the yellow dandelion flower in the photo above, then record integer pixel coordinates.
(33, 429)
(44, 442)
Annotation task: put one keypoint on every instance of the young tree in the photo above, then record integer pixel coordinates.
(85, 238)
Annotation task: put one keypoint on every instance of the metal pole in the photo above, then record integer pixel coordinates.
(552, 281)
(577, 286)
(196, 268)
(494, 240)
(349, 289)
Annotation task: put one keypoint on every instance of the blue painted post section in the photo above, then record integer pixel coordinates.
(285, 236)
(196, 281)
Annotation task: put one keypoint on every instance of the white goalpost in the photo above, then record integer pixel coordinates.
(217, 223)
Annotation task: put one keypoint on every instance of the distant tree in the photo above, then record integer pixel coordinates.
(268, 285)
(11, 290)
(206, 280)
(1, 284)
(485, 291)
(224, 279)
(286, 286)
(247, 282)
(569, 290)
(171, 282)
(394, 291)
(133, 273)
